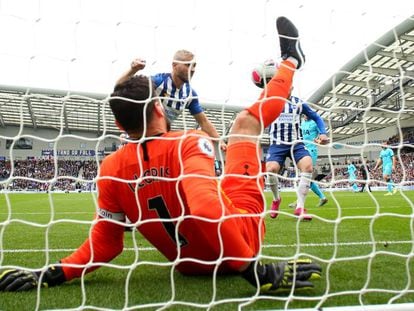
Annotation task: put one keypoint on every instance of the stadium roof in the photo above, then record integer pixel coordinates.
(373, 90)
(55, 109)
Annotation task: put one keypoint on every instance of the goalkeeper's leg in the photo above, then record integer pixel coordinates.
(272, 100)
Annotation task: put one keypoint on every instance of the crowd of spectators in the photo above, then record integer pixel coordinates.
(80, 175)
(403, 174)
(46, 175)
(408, 137)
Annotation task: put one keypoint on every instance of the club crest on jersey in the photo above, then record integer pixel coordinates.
(206, 146)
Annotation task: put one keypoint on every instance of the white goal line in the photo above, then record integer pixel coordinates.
(384, 243)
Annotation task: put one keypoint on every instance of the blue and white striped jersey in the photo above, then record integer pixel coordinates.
(175, 100)
(286, 128)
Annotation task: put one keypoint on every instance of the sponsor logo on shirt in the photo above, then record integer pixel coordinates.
(285, 118)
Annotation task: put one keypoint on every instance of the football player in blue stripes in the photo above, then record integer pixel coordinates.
(285, 141)
(388, 161)
(311, 133)
(175, 91)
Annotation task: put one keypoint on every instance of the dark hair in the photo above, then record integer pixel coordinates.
(123, 102)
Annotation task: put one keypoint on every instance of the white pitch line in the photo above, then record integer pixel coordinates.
(336, 244)
(41, 213)
(334, 207)
(264, 246)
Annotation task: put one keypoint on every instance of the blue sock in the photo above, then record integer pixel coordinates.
(389, 186)
(315, 188)
(354, 187)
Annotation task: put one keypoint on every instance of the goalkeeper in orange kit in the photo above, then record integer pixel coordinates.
(165, 183)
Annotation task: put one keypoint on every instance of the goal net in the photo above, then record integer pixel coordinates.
(60, 61)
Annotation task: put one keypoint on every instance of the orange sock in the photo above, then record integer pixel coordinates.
(272, 100)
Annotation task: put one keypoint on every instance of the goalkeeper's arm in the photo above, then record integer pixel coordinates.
(105, 243)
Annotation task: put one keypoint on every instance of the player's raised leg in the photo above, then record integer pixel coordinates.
(244, 135)
(270, 104)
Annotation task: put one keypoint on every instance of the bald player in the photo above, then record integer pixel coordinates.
(176, 92)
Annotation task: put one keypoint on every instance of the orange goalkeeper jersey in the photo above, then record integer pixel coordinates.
(167, 187)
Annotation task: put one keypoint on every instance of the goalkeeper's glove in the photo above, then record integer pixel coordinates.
(16, 280)
(283, 276)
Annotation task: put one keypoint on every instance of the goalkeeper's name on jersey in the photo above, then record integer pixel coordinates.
(148, 173)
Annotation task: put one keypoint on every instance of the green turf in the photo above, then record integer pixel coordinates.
(364, 243)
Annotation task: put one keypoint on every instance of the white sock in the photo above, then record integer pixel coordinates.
(273, 182)
(293, 60)
(303, 188)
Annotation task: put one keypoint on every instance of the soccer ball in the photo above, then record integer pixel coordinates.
(263, 73)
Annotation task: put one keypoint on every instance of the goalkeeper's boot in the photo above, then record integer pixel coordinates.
(289, 41)
(283, 276)
(274, 208)
(395, 190)
(302, 214)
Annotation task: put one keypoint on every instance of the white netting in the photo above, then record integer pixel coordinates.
(59, 61)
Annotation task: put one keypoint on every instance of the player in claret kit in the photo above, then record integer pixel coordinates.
(165, 183)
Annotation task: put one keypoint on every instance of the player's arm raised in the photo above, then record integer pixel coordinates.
(136, 65)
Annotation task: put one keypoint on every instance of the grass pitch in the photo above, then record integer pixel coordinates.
(363, 241)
